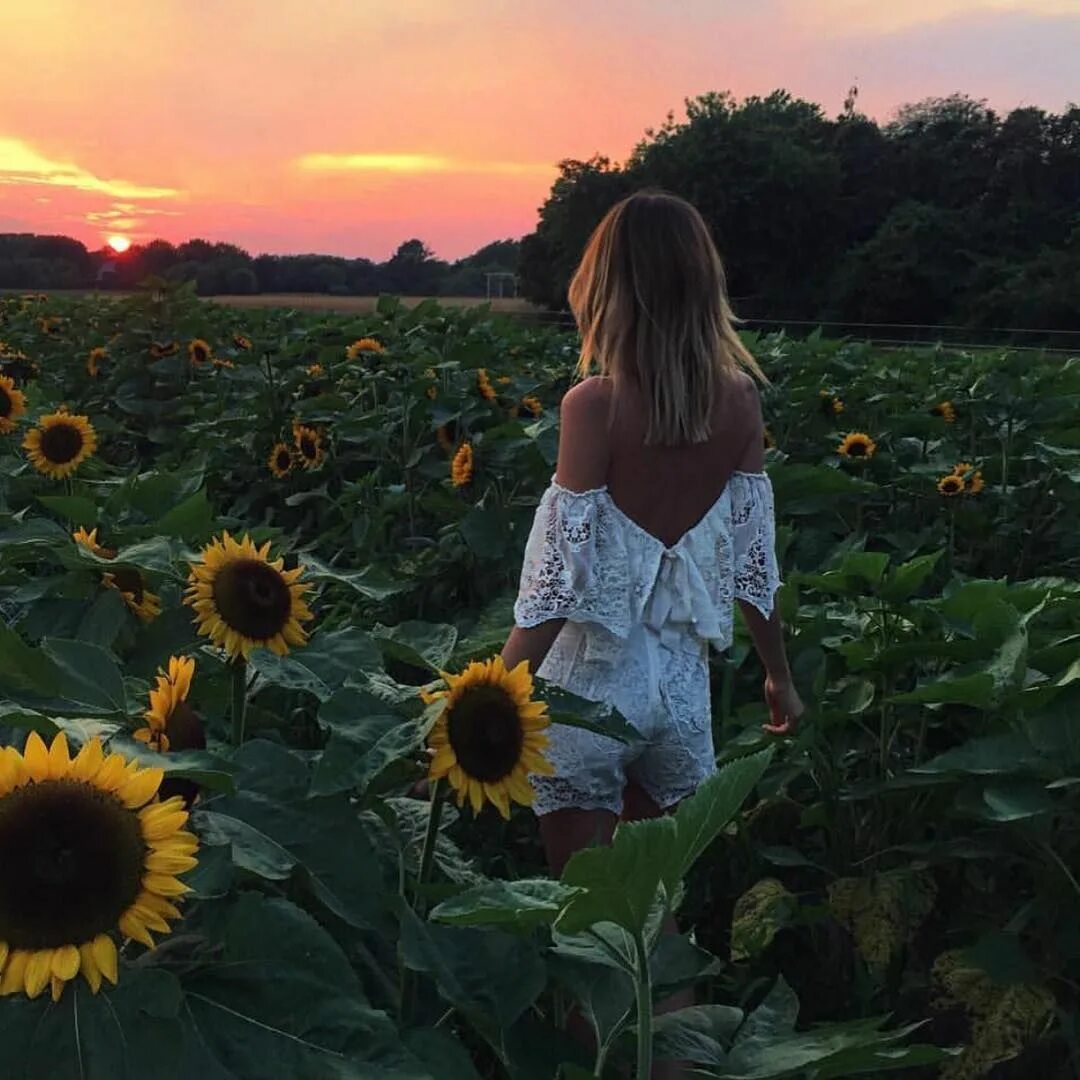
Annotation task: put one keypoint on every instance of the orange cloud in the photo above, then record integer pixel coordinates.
(842, 16)
(415, 163)
(21, 164)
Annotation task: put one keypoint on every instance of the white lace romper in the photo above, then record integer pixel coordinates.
(640, 617)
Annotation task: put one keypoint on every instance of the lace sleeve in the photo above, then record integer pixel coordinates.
(757, 576)
(575, 564)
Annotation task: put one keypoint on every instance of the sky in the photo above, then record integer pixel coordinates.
(348, 126)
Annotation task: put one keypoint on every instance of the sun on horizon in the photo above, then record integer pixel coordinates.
(119, 244)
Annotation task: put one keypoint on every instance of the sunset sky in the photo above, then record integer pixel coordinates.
(347, 126)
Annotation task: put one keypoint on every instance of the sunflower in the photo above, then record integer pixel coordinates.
(198, 351)
(504, 380)
(50, 324)
(159, 350)
(533, 404)
(17, 365)
(94, 361)
(945, 410)
(963, 468)
(767, 439)
(830, 404)
(241, 342)
(171, 723)
(975, 483)
(489, 735)
(129, 583)
(281, 460)
(483, 384)
(951, 485)
(243, 600)
(309, 446)
(60, 444)
(127, 580)
(857, 445)
(315, 370)
(367, 344)
(442, 436)
(461, 468)
(88, 540)
(12, 405)
(222, 362)
(88, 850)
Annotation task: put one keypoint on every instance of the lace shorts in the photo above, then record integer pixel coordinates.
(592, 771)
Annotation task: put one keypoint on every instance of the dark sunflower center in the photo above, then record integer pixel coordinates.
(5, 402)
(252, 598)
(284, 459)
(485, 732)
(200, 352)
(308, 446)
(129, 581)
(857, 449)
(61, 443)
(73, 862)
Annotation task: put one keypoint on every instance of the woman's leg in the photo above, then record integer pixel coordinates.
(638, 806)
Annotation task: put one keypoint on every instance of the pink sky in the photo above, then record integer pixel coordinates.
(347, 126)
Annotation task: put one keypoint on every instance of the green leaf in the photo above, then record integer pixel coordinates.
(191, 520)
(443, 1055)
(976, 690)
(90, 678)
(372, 582)
(122, 1033)
(701, 817)
(492, 975)
(76, 508)
(984, 756)
(619, 882)
(515, 905)
(424, 645)
(104, 619)
(906, 580)
(484, 530)
(698, 1034)
(282, 1002)
(326, 663)
(573, 711)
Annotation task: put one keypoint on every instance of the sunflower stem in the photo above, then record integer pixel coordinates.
(643, 998)
(239, 699)
(427, 852)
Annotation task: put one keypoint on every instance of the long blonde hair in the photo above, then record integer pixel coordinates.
(650, 300)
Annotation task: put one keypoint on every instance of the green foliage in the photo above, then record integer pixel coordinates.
(927, 805)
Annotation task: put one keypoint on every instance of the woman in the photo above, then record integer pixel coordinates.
(659, 519)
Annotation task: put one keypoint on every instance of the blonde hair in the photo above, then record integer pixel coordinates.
(650, 300)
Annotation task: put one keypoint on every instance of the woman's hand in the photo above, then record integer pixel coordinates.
(785, 706)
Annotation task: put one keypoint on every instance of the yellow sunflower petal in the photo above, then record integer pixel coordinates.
(497, 795)
(89, 968)
(14, 978)
(476, 795)
(38, 969)
(164, 885)
(103, 949)
(161, 862)
(88, 760)
(36, 757)
(59, 757)
(141, 787)
(131, 926)
(65, 962)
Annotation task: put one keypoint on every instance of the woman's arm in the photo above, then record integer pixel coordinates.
(785, 705)
(531, 643)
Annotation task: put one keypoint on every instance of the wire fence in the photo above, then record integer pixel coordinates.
(892, 335)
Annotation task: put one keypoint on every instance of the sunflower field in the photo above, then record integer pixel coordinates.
(261, 768)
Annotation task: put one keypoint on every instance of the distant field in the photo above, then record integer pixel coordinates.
(317, 301)
(361, 304)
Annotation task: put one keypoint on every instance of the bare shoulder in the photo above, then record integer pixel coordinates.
(584, 445)
(589, 398)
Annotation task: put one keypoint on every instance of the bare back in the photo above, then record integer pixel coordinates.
(669, 489)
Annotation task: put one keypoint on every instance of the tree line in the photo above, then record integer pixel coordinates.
(948, 213)
(28, 261)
